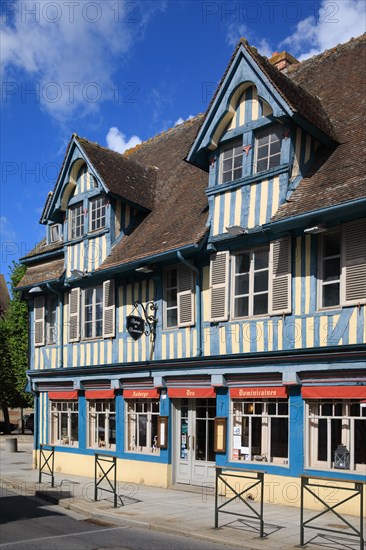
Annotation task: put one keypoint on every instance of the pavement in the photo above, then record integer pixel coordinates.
(176, 511)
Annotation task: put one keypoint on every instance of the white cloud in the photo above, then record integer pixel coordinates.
(117, 141)
(236, 31)
(71, 49)
(6, 229)
(336, 22)
(180, 120)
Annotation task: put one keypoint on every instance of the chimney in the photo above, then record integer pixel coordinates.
(282, 61)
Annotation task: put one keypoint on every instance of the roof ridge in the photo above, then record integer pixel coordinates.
(352, 42)
(162, 133)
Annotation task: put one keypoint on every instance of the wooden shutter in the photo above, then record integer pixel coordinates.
(109, 311)
(219, 286)
(280, 277)
(354, 262)
(185, 296)
(74, 315)
(39, 321)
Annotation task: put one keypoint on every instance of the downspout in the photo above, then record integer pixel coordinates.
(198, 301)
(61, 301)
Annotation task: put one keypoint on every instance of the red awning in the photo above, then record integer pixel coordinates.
(191, 393)
(63, 395)
(141, 394)
(333, 392)
(270, 392)
(99, 394)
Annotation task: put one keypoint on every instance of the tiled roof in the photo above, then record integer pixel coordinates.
(42, 273)
(42, 247)
(338, 78)
(122, 175)
(179, 214)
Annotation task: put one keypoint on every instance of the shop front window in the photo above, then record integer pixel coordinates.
(102, 424)
(142, 423)
(64, 422)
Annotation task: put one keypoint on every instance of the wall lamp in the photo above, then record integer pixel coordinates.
(145, 269)
(315, 229)
(35, 290)
(78, 274)
(236, 230)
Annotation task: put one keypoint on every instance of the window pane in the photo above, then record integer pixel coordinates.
(171, 298)
(322, 439)
(226, 177)
(274, 161)
(241, 307)
(261, 258)
(112, 430)
(332, 244)
(172, 318)
(242, 284)
(74, 427)
(243, 263)
(98, 328)
(332, 269)
(227, 165)
(279, 437)
(256, 435)
(172, 278)
(237, 174)
(261, 281)
(262, 152)
(237, 162)
(262, 165)
(360, 438)
(272, 408)
(331, 295)
(142, 430)
(275, 147)
(99, 294)
(260, 304)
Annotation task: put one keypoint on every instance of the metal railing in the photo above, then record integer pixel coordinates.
(324, 483)
(257, 478)
(106, 464)
(47, 463)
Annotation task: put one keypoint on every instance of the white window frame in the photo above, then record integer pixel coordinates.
(94, 429)
(58, 410)
(76, 221)
(97, 206)
(55, 233)
(51, 324)
(238, 413)
(260, 133)
(230, 146)
(321, 259)
(94, 320)
(313, 413)
(166, 289)
(251, 292)
(133, 416)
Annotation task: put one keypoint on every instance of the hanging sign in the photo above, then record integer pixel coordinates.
(135, 326)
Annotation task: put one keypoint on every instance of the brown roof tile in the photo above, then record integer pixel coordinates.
(122, 175)
(338, 77)
(42, 273)
(42, 247)
(179, 216)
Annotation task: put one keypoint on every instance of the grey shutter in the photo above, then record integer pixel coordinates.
(354, 262)
(39, 321)
(185, 296)
(280, 277)
(219, 286)
(109, 311)
(74, 315)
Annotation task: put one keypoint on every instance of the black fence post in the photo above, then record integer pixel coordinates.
(44, 463)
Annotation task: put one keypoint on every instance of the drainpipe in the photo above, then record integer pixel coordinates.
(198, 301)
(61, 301)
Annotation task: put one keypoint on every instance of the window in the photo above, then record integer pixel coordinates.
(250, 283)
(76, 221)
(179, 297)
(64, 422)
(55, 233)
(97, 213)
(267, 149)
(93, 312)
(51, 320)
(332, 423)
(142, 426)
(231, 161)
(260, 431)
(331, 270)
(102, 423)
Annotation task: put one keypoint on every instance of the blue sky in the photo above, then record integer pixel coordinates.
(118, 72)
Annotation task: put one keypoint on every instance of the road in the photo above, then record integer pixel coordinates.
(27, 523)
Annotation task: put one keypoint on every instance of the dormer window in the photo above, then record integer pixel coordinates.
(267, 149)
(76, 221)
(231, 161)
(97, 213)
(55, 233)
